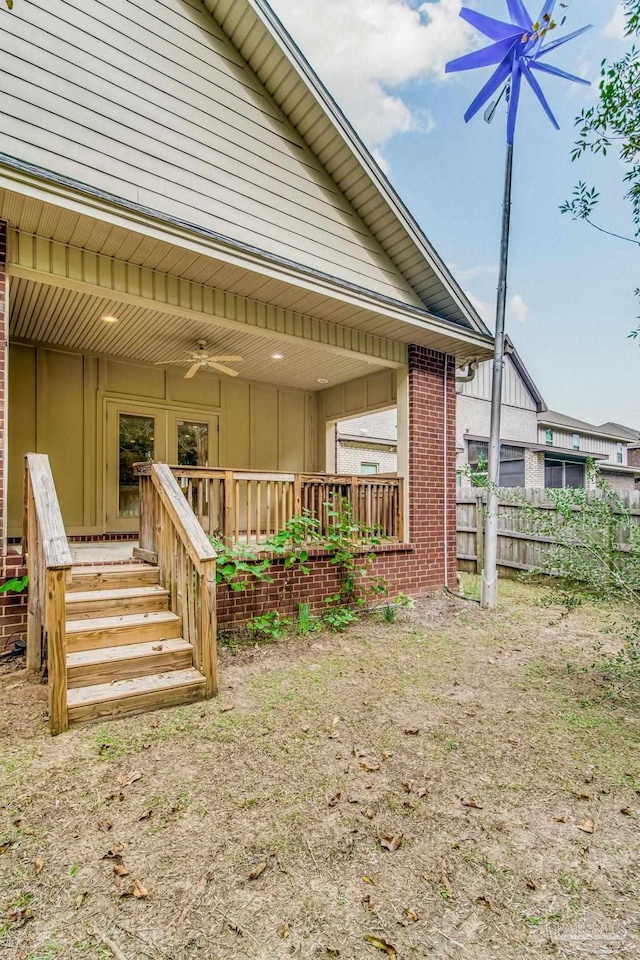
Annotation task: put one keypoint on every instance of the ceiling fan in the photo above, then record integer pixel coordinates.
(201, 358)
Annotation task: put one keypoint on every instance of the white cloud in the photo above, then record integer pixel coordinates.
(366, 51)
(517, 309)
(616, 26)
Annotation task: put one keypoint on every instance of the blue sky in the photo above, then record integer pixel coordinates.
(571, 288)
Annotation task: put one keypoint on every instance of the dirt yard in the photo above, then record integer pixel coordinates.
(453, 785)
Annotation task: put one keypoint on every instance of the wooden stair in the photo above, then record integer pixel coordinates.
(124, 649)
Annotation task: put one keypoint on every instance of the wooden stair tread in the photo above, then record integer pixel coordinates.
(126, 620)
(155, 684)
(120, 593)
(131, 651)
(91, 569)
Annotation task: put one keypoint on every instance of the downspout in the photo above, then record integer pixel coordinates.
(472, 369)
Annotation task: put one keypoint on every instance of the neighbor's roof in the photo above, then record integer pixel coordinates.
(612, 431)
(525, 376)
(263, 42)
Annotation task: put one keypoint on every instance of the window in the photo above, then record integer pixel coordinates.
(575, 441)
(549, 437)
(619, 453)
(563, 473)
(368, 469)
(193, 444)
(511, 463)
(136, 444)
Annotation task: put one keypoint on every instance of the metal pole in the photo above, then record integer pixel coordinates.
(490, 571)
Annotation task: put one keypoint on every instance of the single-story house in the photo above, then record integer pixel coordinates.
(202, 269)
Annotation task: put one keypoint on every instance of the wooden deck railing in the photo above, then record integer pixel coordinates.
(48, 561)
(249, 506)
(171, 535)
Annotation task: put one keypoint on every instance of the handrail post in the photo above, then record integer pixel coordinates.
(228, 507)
(209, 630)
(56, 651)
(32, 559)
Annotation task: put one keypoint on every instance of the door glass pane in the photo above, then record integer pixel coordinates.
(512, 473)
(136, 443)
(193, 444)
(553, 475)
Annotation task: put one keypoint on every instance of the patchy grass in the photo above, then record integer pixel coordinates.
(479, 744)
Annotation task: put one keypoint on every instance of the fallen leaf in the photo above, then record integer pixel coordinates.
(587, 826)
(284, 931)
(138, 890)
(120, 870)
(386, 755)
(446, 880)
(413, 916)
(227, 708)
(236, 929)
(423, 792)
(561, 818)
(38, 864)
(126, 781)
(626, 811)
(369, 767)
(335, 721)
(146, 746)
(367, 880)
(472, 803)
(305, 729)
(369, 814)
(19, 916)
(368, 902)
(7, 845)
(105, 825)
(407, 785)
(158, 647)
(381, 945)
(485, 902)
(146, 815)
(334, 800)
(514, 741)
(333, 952)
(115, 796)
(351, 798)
(80, 899)
(531, 884)
(391, 843)
(412, 731)
(18, 823)
(115, 852)
(581, 795)
(258, 871)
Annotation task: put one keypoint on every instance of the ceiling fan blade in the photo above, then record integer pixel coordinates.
(224, 359)
(164, 363)
(220, 366)
(191, 372)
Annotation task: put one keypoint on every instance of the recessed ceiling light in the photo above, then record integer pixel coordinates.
(277, 356)
(321, 380)
(109, 319)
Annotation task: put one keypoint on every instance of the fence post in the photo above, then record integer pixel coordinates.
(480, 532)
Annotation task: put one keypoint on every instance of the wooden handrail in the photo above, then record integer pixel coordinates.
(196, 543)
(48, 561)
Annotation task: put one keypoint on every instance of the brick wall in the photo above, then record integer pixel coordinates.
(351, 455)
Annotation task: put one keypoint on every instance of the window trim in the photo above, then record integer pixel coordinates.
(370, 473)
(549, 437)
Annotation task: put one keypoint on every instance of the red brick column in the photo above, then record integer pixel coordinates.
(427, 485)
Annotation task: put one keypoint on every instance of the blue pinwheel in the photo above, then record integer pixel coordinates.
(519, 50)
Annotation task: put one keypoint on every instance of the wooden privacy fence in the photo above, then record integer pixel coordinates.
(249, 506)
(520, 546)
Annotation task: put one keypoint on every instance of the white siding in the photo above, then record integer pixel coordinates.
(514, 392)
(588, 444)
(149, 101)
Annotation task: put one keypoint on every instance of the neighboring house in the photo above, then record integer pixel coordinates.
(540, 448)
(368, 445)
(175, 173)
(570, 443)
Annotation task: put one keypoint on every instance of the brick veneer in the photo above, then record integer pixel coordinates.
(413, 568)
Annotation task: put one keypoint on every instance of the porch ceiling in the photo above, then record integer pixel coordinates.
(49, 314)
(183, 255)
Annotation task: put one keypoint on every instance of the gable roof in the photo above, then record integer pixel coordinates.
(612, 431)
(525, 376)
(266, 46)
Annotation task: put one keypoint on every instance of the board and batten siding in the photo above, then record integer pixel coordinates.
(588, 443)
(57, 406)
(149, 101)
(514, 391)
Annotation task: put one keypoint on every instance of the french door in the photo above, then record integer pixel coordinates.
(138, 432)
